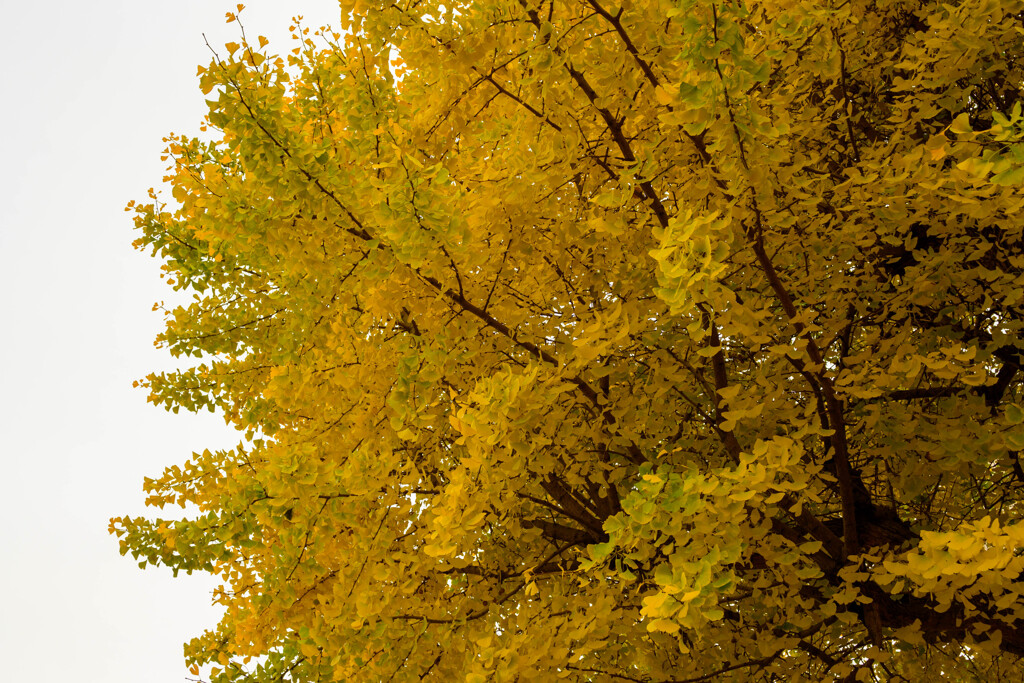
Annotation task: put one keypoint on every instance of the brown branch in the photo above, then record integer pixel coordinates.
(833, 405)
(489, 320)
(584, 520)
(922, 393)
(616, 22)
(635, 454)
(473, 616)
(613, 125)
(571, 507)
(645, 67)
(846, 97)
(488, 77)
(815, 527)
(761, 663)
(732, 445)
(560, 532)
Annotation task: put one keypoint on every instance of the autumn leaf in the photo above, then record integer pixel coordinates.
(575, 341)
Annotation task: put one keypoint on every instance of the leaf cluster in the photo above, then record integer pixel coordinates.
(669, 341)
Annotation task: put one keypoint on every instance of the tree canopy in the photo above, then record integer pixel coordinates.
(669, 340)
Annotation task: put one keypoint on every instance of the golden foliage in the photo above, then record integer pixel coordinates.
(665, 341)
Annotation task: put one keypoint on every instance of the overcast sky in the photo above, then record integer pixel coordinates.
(87, 92)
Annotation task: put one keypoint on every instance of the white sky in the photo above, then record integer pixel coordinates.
(87, 92)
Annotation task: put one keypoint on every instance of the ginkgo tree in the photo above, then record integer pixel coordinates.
(669, 340)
